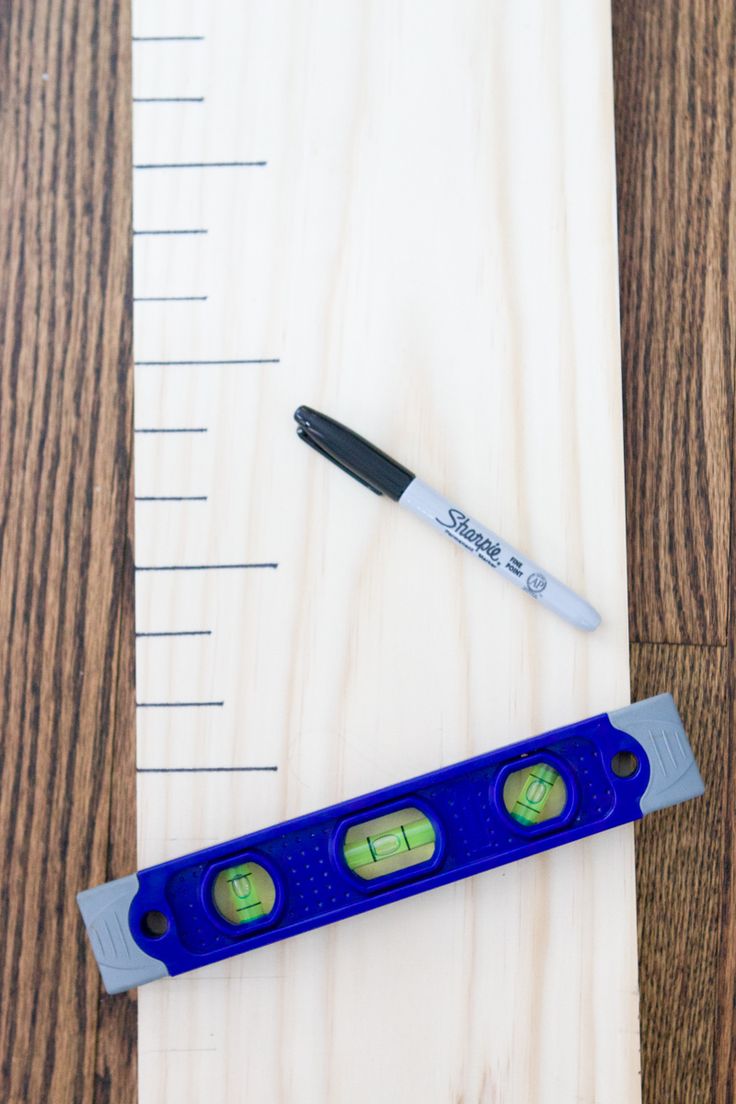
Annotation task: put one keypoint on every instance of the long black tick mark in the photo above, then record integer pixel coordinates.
(177, 632)
(176, 429)
(161, 233)
(168, 38)
(171, 498)
(206, 567)
(180, 705)
(202, 165)
(202, 363)
(199, 770)
(169, 298)
(168, 99)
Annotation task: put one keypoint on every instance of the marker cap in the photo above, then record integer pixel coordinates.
(356, 456)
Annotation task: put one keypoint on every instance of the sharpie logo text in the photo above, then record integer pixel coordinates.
(458, 525)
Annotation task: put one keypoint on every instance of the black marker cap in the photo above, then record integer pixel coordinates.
(356, 456)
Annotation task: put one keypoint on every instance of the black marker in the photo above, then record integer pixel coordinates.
(377, 471)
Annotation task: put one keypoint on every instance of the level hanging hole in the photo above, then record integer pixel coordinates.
(154, 924)
(624, 764)
(389, 843)
(244, 893)
(534, 794)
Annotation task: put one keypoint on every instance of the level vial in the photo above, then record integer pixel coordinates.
(389, 843)
(243, 893)
(534, 794)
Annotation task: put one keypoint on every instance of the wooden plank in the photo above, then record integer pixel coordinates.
(428, 252)
(680, 859)
(673, 65)
(65, 419)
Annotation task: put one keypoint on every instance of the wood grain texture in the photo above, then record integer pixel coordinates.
(116, 1068)
(409, 214)
(725, 1066)
(674, 90)
(65, 171)
(674, 82)
(683, 864)
(65, 424)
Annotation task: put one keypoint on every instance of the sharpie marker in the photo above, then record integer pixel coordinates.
(382, 475)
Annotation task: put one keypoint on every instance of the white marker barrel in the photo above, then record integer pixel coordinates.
(496, 553)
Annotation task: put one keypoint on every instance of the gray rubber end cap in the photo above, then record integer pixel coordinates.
(656, 725)
(123, 965)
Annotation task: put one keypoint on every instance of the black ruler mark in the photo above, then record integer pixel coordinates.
(201, 165)
(201, 770)
(175, 632)
(162, 233)
(205, 567)
(174, 429)
(168, 99)
(203, 363)
(169, 298)
(181, 705)
(168, 38)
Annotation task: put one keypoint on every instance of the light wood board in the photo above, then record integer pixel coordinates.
(429, 254)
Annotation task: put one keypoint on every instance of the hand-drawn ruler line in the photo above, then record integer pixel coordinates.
(162, 233)
(168, 38)
(201, 770)
(180, 705)
(175, 632)
(213, 363)
(206, 567)
(171, 498)
(226, 978)
(173, 429)
(169, 298)
(202, 165)
(168, 99)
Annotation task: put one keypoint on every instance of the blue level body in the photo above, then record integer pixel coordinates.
(393, 843)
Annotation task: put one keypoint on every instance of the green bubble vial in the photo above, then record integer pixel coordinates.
(389, 843)
(244, 893)
(534, 794)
